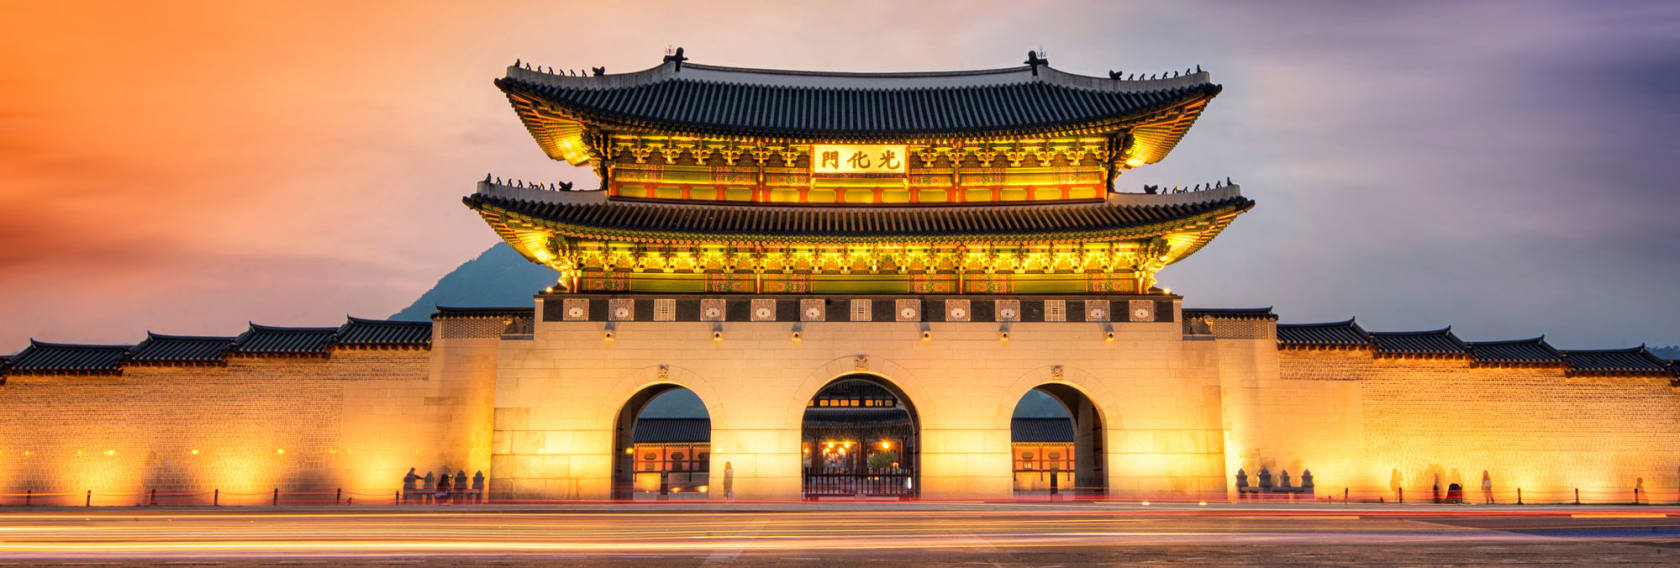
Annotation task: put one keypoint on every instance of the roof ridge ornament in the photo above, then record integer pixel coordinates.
(675, 57)
(1033, 61)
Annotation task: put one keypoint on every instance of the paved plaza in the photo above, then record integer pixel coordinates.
(789, 534)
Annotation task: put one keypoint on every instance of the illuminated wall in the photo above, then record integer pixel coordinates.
(1371, 425)
(356, 420)
(558, 394)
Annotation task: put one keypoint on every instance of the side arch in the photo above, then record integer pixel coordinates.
(1090, 409)
(634, 391)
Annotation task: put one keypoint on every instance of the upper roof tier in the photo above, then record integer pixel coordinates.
(689, 99)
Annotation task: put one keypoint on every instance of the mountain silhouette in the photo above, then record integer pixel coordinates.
(499, 277)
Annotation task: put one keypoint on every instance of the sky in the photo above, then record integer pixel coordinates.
(186, 167)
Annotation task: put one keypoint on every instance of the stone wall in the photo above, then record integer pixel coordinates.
(558, 396)
(355, 420)
(1374, 424)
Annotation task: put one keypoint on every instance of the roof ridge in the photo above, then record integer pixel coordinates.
(38, 343)
(154, 335)
(283, 328)
(1442, 331)
(1349, 321)
(1539, 339)
(353, 319)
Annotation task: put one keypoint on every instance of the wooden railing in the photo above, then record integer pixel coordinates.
(885, 484)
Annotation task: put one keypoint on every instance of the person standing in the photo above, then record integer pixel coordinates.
(1487, 488)
(729, 481)
(408, 484)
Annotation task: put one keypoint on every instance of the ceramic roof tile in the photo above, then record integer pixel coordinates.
(1534, 351)
(843, 223)
(1041, 430)
(673, 430)
(159, 348)
(367, 332)
(701, 98)
(1328, 334)
(272, 340)
(1432, 342)
(43, 357)
(1630, 361)
(446, 312)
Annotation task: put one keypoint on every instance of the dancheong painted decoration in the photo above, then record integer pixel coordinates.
(729, 180)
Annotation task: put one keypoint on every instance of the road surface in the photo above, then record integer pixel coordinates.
(787, 534)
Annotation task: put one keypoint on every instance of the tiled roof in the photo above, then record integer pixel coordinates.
(1041, 430)
(1630, 361)
(694, 98)
(1041, 222)
(672, 430)
(1438, 342)
(1342, 334)
(446, 312)
(159, 348)
(1231, 313)
(383, 333)
(270, 340)
(820, 417)
(43, 357)
(1534, 351)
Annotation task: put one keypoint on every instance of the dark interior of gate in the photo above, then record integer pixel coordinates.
(662, 446)
(1057, 448)
(860, 439)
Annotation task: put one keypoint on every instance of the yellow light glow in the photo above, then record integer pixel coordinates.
(195, 452)
(676, 490)
(848, 445)
(796, 337)
(927, 336)
(704, 488)
(1146, 503)
(608, 336)
(1108, 337)
(79, 452)
(1134, 162)
(1202, 503)
(885, 445)
(28, 453)
(280, 452)
(110, 452)
(717, 336)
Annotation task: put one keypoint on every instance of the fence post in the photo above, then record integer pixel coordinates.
(276, 502)
(1577, 496)
(154, 497)
(1402, 492)
(1519, 496)
(396, 497)
(339, 495)
(89, 501)
(28, 495)
(216, 499)
(1344, 495)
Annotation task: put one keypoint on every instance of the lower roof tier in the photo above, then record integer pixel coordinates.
(1125, 234)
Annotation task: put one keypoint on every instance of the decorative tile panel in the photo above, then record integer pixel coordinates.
(764, 309)
(1055, 310)
(908, 309)
(1008, 310)
(712, 309)
(1141, 310)
(813, 310)
(1097, 310)
(575, 309)
(665, 309)
(622, 309)
(860, 310)
(957, 310)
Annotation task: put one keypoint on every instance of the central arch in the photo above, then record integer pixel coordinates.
(662, 445)
(860, 437)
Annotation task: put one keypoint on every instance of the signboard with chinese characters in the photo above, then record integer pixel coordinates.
(853, 159)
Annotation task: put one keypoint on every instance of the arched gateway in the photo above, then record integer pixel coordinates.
(752, 226)
(859, 439)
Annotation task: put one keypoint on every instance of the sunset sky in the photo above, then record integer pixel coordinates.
(1506, 168)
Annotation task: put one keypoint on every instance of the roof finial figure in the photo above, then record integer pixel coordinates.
(598, 71)
(1198, 68)
(565, 186)
(1112, 74)
(516, 62)
(676, 57)
(487, 177)
(1033, 61)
